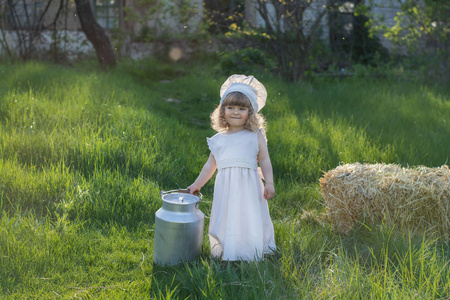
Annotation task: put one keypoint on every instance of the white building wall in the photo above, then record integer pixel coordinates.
(311, 14)
(171, 17)
(73, 43)
(388, 9)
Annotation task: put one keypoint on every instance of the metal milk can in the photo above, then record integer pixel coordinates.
(178, 228)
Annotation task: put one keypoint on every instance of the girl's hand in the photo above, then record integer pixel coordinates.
(269, 191)
(193, 188)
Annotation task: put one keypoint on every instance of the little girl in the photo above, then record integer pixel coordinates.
(240, 227)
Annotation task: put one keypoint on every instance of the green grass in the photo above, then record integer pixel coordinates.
(84, 155)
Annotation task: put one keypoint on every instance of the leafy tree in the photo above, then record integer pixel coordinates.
(288, 34)
(421, 27)
(350, 39)
(287, 30)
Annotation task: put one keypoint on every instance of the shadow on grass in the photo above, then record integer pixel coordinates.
(388, 131)
(121, 133)
(207, 278)
(411, 120)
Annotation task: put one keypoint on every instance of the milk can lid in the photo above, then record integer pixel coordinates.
(180, 198)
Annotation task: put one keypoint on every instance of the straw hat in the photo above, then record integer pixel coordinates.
(247, 85)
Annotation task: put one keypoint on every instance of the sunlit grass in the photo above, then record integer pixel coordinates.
(84, 155)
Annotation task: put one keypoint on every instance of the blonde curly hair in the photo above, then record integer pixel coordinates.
(254, 121)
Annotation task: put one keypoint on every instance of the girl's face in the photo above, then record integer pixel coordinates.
(236, 116)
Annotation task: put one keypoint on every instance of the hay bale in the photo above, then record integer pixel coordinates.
(415, 198)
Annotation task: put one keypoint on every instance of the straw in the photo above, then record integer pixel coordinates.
(416, 199)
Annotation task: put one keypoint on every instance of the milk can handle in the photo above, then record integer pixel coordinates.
(186, 191)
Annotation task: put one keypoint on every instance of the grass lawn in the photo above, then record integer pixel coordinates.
(84, 155)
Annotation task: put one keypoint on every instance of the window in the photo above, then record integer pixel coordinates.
(107, 13)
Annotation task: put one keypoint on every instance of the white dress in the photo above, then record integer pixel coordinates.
(240, 227)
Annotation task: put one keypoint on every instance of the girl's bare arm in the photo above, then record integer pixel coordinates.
(207, 172)
(266, 166)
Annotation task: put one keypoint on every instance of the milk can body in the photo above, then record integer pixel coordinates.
(178, 229)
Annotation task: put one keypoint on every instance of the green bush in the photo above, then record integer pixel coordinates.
(245, 61)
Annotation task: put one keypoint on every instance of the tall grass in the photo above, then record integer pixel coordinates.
(84, 155)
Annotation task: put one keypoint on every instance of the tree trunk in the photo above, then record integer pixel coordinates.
(95, 34)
